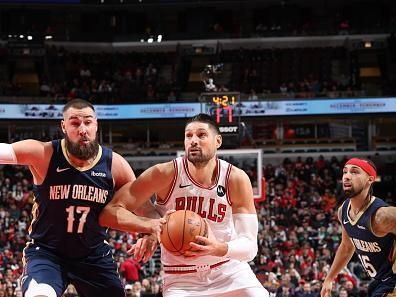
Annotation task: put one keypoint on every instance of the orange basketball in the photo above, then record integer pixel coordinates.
(180, 229)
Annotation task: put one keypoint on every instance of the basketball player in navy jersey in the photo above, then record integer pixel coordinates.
(218, 192)
(369, 228)
(74, 178)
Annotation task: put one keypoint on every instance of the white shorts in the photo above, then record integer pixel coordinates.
(231, 279)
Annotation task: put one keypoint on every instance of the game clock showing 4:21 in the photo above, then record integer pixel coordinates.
(222, 106)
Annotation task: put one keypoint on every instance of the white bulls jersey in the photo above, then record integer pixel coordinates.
(211, 203)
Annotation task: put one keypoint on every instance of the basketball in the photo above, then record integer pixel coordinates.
(180, 229)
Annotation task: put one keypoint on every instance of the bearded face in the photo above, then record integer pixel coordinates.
(198, 157)
(84, 149)
(354, 181)
(352, 191)
(201, 143)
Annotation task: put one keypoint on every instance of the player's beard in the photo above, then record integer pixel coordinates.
(82, 152)
(352, 192)
(198, 158)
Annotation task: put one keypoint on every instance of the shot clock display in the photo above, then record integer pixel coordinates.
(222, 106)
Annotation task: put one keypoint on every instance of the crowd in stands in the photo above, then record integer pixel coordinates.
(101, 78)
(156, 77)
(290, 73)
(115, 78)
(298, 233)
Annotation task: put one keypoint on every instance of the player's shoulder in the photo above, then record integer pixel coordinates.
(237, 174)
(118, 161)
(384, 213)
(120, 164)
(117, 156)
(383, 220)
(165, 168)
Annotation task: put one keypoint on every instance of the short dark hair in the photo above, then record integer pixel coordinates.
(204, 118)
(79, 104)
(371, 163)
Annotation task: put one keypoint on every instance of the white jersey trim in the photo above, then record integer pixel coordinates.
(227, 184)
(185, 165)
(163, 202)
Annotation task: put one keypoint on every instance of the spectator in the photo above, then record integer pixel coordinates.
(307, 291)
(130, 270)
(252, 95)
(343, 292)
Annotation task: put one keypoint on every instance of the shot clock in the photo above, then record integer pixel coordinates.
(222, 105)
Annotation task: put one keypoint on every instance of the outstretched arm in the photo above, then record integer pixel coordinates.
(131, 196)
(122, 174)
(24, 152)
(35, 154)
(145, 246)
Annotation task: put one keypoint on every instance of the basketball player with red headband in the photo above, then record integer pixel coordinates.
(369, 229)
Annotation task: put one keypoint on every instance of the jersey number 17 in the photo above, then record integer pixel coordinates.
(83, 211)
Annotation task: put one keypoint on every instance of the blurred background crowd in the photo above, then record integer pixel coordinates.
(298, 232)
(173, 51)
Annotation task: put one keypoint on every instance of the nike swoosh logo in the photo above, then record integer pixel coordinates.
(61, 170)
(184, 186)
(346, 222)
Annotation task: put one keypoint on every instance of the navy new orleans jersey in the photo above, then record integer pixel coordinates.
(68, 204)
(377, 254)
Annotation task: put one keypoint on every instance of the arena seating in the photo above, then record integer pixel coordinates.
(298, 229)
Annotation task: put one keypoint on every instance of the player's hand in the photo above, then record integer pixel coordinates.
(169, 212)
(326, 288)
(144, 248)
(156, 226)
(206, 246)
(164, 220)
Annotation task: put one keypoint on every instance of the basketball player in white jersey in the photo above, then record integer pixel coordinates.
(220, 193)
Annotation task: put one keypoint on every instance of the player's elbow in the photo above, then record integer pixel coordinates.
(252, 252)
(242, 249)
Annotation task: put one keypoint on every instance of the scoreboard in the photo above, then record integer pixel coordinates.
(223, 106)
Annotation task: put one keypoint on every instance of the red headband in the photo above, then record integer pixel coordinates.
(366, 166)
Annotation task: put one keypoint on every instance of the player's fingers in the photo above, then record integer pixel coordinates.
(143, 248)
(189, 254)
(158, 234)
(169, 212)
(139, 249)
(325, 293)
(197, 247)
(152, 246)
(202, 240)
(147, 255)
(131, 251)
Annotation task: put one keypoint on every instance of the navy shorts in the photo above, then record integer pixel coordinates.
(378, 288)
(93, 276)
